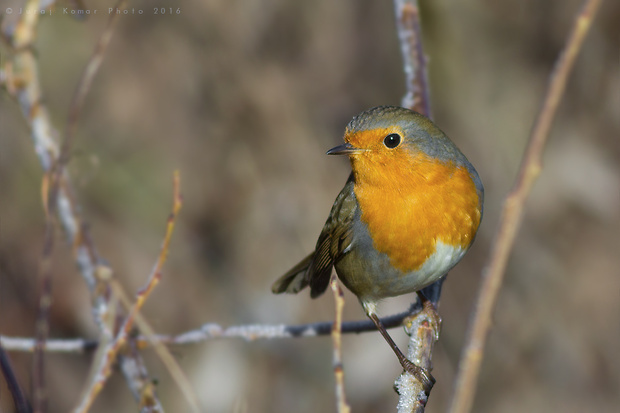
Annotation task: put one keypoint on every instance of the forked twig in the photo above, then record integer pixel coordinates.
(151, 339)
(512, 214)
(21, 79)
(121, 340)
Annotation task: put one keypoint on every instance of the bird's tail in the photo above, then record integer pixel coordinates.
(295, 280)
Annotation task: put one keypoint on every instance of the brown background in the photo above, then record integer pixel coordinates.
(244, 98)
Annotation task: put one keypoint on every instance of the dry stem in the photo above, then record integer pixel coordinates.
(121, 340)
(20, 77)
(531, 166)
(414, 60)
(19, 399)
(341, 397)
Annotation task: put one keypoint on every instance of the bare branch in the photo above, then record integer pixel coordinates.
(341, 397)
(423, 328)
(19, 400)
(86, 80)
(162, 351)
(21, 80)
(42, 321)
(121, 340)
(414, 60)
(512, 214)
(210, 331)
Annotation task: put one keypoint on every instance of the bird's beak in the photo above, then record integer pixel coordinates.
(344, 149)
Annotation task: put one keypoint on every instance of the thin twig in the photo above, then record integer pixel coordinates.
(512, 214)
(105, 366)
(210, 331)
(22, 39)
(86, 80)
(19, 400)
(150, 339)
(22, 81)
(148, 402)
(50, 186)
(42, 321)
(414, 60)
(149, 333)
(341, 397)
(99, 355)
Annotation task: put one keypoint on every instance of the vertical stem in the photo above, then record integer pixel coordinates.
(414, 60)
(341, 397)
(531, 166)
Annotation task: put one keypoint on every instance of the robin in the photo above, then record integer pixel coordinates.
(407, 214)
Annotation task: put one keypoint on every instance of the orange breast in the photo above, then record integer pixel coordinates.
(411, 203)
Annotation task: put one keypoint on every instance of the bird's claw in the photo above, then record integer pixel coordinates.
(424, 376)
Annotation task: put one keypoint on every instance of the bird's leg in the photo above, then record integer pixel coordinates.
(424, 376)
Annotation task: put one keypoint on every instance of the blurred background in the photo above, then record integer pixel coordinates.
(244, 98)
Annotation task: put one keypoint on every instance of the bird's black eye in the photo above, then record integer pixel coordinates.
(392, 140)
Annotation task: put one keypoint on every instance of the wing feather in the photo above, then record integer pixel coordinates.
(334, 240)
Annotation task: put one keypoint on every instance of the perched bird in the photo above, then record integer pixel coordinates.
(407, 214)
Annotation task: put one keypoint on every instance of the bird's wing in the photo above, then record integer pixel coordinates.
(334, 240)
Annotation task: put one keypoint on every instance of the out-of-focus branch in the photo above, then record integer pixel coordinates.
(512, 214)
(21, 80)
(45, 4)
(121, 340)
(86, 80)
(19, 400)
(42, 321)
(414, 60)
(162, 351)
(341, 397)
(24, 34)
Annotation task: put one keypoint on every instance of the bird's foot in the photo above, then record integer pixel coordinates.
(424, 376)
